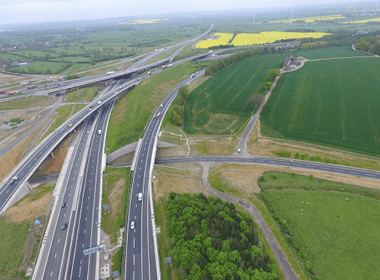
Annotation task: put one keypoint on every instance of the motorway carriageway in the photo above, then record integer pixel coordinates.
(141, 262)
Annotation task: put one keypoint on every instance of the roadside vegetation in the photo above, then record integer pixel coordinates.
(328, 52)
(24, 103)
(18, 249)
(115, 194)
(187, 52)
(213, 239)
(86, 94)
(132, 112)
(330, 226)
(332, 103)
(64, 113)
(221, 105)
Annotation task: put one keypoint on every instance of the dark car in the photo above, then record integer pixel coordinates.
(64, 226)
(63, 205)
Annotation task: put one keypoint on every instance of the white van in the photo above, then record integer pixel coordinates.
(139, 197)
(99, 132)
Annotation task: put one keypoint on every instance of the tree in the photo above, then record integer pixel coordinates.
(274, 73)
(268, 85)
(256, 100)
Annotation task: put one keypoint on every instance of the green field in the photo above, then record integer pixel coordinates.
(339, 237)
(220, 105)
(333, 103)
(23, 103)
(86, 94)
(132, 112)
(344, 51)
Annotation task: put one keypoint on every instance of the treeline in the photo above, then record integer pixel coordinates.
(368, 44)
(315, 45)
(223, 63)
(211, 239)
(175, 112)
(338, 38)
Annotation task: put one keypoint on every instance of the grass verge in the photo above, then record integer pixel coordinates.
(114, 188)
(87, 94)
(24, 103)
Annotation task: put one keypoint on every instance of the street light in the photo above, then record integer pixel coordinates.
(32, 236)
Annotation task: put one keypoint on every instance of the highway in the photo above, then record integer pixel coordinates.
(141, 262)
(137, 68)
(51, 255)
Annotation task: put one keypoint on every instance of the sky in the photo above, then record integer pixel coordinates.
(25, 11)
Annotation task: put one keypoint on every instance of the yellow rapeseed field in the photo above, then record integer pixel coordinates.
(364, 20)
(144, 21)
(247, 39)
(309, 19)
(223, 39)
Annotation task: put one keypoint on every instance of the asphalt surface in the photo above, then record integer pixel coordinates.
(81, 266)
(140, 258)
(324, 167)
(54, 251)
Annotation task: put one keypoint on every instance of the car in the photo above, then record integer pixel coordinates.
(81, 116)
(139, 197)
(62, 130)
(99, 102)
(138, 79)
(64, 226)
(88, 131)
(239, 151)
(63, 205)
(90, 109)
(99, 132)
(82, 101)
(14, 179)
(132, 225)
(71, 125)
(76, 101)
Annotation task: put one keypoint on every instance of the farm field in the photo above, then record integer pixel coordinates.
(331, 52)
(247, 39)
(338, 236)
(333, 103)
(309, 19)
(223, 39)
(220, 104)
(364, 20)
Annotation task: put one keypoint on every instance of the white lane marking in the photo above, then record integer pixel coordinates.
(51, 274)
(59, 240)
(64, 215)
(80, 270)
(134, 243)
(134, 259)
(55, 256)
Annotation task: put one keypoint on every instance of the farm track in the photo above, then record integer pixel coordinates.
(319, 106)
(335, 58)
(297, 103)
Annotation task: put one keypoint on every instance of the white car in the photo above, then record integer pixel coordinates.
(99, 102)
(133, 225)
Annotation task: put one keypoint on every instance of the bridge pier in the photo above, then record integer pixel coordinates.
(52, 155)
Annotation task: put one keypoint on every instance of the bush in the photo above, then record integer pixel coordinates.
(274, 176)
(262, 179)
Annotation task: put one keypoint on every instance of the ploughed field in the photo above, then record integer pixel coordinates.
(220, 105)
(332, 103)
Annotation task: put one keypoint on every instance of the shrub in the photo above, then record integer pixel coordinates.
(274, 176)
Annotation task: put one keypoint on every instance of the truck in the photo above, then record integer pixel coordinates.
(2, 92)
(110, 72)
(13, 93)
(193, 76)
(163, 67)
(148, 73)
(53, 78)
(29, 87)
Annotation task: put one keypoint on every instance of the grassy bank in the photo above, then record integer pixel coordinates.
(87, 94)
(133, 111)
(24, 103)
(115, 194)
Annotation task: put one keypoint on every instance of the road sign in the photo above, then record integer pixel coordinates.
(93, 250)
